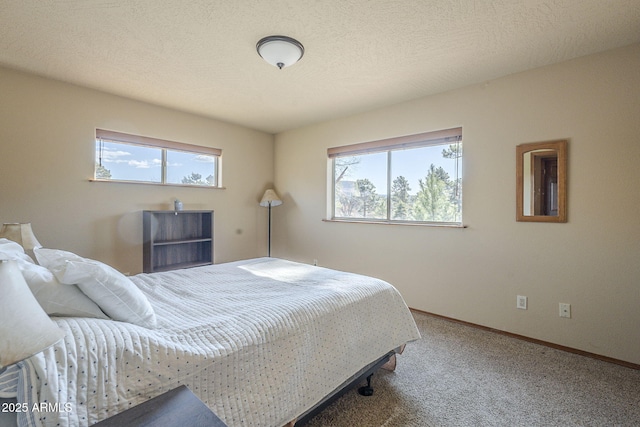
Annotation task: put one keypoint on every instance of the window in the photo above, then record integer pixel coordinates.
(411, 179)
(131, 158)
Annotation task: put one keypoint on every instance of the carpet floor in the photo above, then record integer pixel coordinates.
(458, 375)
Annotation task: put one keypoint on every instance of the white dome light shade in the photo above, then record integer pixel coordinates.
(280, 51)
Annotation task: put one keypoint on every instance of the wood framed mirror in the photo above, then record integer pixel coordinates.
(541, 182)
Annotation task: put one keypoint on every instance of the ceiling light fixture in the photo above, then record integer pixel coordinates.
(280, 51)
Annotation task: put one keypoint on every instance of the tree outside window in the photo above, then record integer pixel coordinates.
(416, 182)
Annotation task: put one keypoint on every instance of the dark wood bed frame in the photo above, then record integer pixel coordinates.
(364, 374)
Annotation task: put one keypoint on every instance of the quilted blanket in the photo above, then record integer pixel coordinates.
(259, 341)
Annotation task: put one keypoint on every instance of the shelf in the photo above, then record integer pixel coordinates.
(181, 265)
(173, 240)
(180, 242)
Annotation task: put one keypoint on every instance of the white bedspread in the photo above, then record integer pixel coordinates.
(259, 341)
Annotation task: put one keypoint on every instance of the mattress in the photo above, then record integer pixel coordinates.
(259, 341)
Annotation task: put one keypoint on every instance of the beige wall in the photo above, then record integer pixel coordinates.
(47, 131)
(474, 274)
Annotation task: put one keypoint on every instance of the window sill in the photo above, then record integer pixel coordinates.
(157, 184)
(412, 224)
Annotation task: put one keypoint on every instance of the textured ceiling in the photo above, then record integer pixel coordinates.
(199, 55)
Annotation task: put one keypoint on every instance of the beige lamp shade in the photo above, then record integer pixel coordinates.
(25, 329)
(270, 198)
(21, 234)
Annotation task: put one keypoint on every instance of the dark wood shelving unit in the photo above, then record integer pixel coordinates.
(176, 239)
(176, 408)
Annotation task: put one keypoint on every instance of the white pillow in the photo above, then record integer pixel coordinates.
(114, 293)
(55, 298)
(12, 250)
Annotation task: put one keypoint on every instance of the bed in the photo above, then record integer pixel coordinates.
(262, 342)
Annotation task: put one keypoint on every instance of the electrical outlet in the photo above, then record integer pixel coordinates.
(521, 302)
(565, 310)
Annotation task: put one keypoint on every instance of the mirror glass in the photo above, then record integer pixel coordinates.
(541, 181)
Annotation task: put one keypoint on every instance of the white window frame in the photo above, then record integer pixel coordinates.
(426, 139)
(165, 146)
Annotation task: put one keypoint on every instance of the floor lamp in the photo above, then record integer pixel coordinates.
(269, 199)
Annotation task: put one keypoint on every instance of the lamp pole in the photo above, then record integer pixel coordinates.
(270, 199)
(269, 247)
